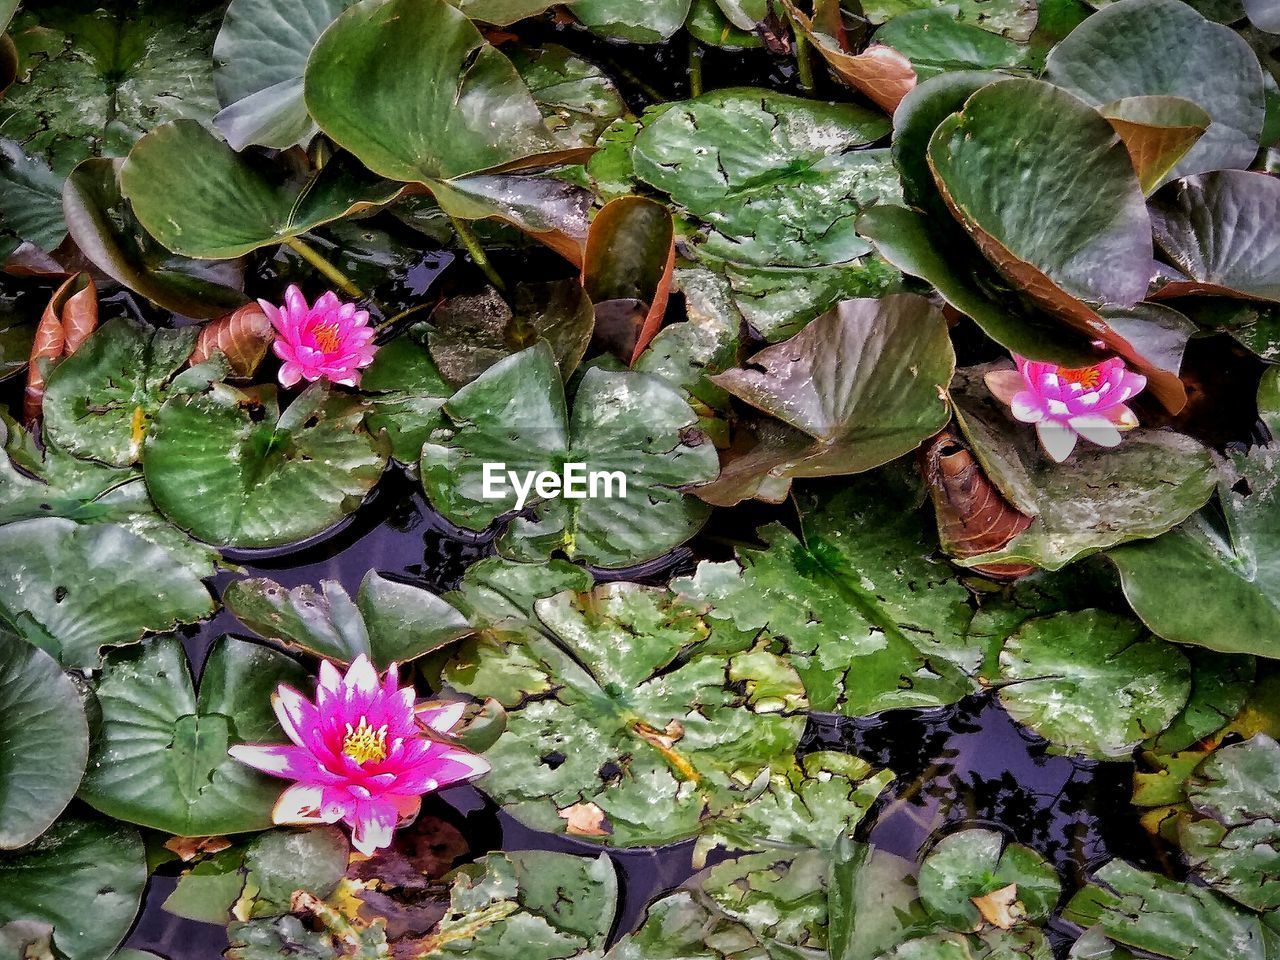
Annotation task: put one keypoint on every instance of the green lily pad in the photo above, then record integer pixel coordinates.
(1014, 19)
(1153, 481)
(1167, 918)
(72, 589)
(160, 758)
(991, 944)
(103, 226)
(46, 737)
(388, 621)
(652, 741)
(84, 878)
(502, 12)
(1009, 166)
(1221, 685)
(100, 401)
(200, 198)
(942, 40)
(1215, 228)
(515, 414)
(97, 79)
(406, 391)
(536, 904)
(577, 98)
(649, 22)
(778, 895)
(865, 382)
(1211, 585)
(1235, 845)
(974, 863)
(870, 619)
(30, 201)
(229, 468)
(412, 89)
(1092, 683)
(1140, 48)
(259, 59)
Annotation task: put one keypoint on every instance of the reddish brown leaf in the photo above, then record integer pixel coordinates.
(242, 336)
(973, 516)
(70, 316)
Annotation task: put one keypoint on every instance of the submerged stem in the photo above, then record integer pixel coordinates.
(469, 240)
(804, 64)
(325, 267)
(695, 68)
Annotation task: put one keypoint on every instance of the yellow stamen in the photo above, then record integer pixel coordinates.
(364, 743)
(326, 337)
(1087, 377)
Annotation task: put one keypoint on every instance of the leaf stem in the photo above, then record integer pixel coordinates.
(325, 267)
(469, 240)
(804, 63)
(695, 68)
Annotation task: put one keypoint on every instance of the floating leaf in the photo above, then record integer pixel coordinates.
(966, 866)
(259, 59)
(388, 621)
(1092, 682)
(1144, 48)
(659, 723)
(30, 202)
(103, 226)
(576, 97)
(629, 423)
(200, 198)
(1157, 132)
(549, 210)
(649, 22)
(46, 737)
(1153, 481)
(932, 42)
(230, 468)
(1015, 19)
(84, 878)
(406, 391)
(412, 89)
(160, 758)
(72, 589)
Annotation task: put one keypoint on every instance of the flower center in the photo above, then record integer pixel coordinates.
(326, 337)
(1087, 377)
(363, 743)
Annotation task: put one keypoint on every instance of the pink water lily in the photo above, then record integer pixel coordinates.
(330, 339)
(361, 753)
(1066, 403)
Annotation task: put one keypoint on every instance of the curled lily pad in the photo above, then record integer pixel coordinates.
(388, 621)
(1157, 131)
(551, 211)
(652, 741)
(230, 468)
(99, 402)
(1215, 228)
(200, 198)
(1154, 480)
(160, 758)
(1091, 682)
(46, 736)
(412, 89)
(628, 423)
(971, 864)
(69, 590)
(259, 59)
(103, 226)
(84, 878)
(1142, 48)
(1209, 585)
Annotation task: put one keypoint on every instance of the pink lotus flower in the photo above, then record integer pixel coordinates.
(360, 753)
(1066, 403)
(332, 339)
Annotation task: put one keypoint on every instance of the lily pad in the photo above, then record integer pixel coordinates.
(652, 741)
(406, 391)
(548, 209)
(1215, 228)
(388, 621)
(84, 878)
(870, 619)
(200, 198)
(412, 89)
(1015, 19)
(942, 39)
(103, 226)
(71, 588)
(30, 200)
(1141, 48)
(1157, 131)
(1153, 481)
(160, 758)
(629, 423)
(230, 468)
(972, 864)
(1224, 579)
(99, 402)
(259, 59)
(577, 98)
(865, 382)
(649, 22)
(1092, 683)
(46, 738)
